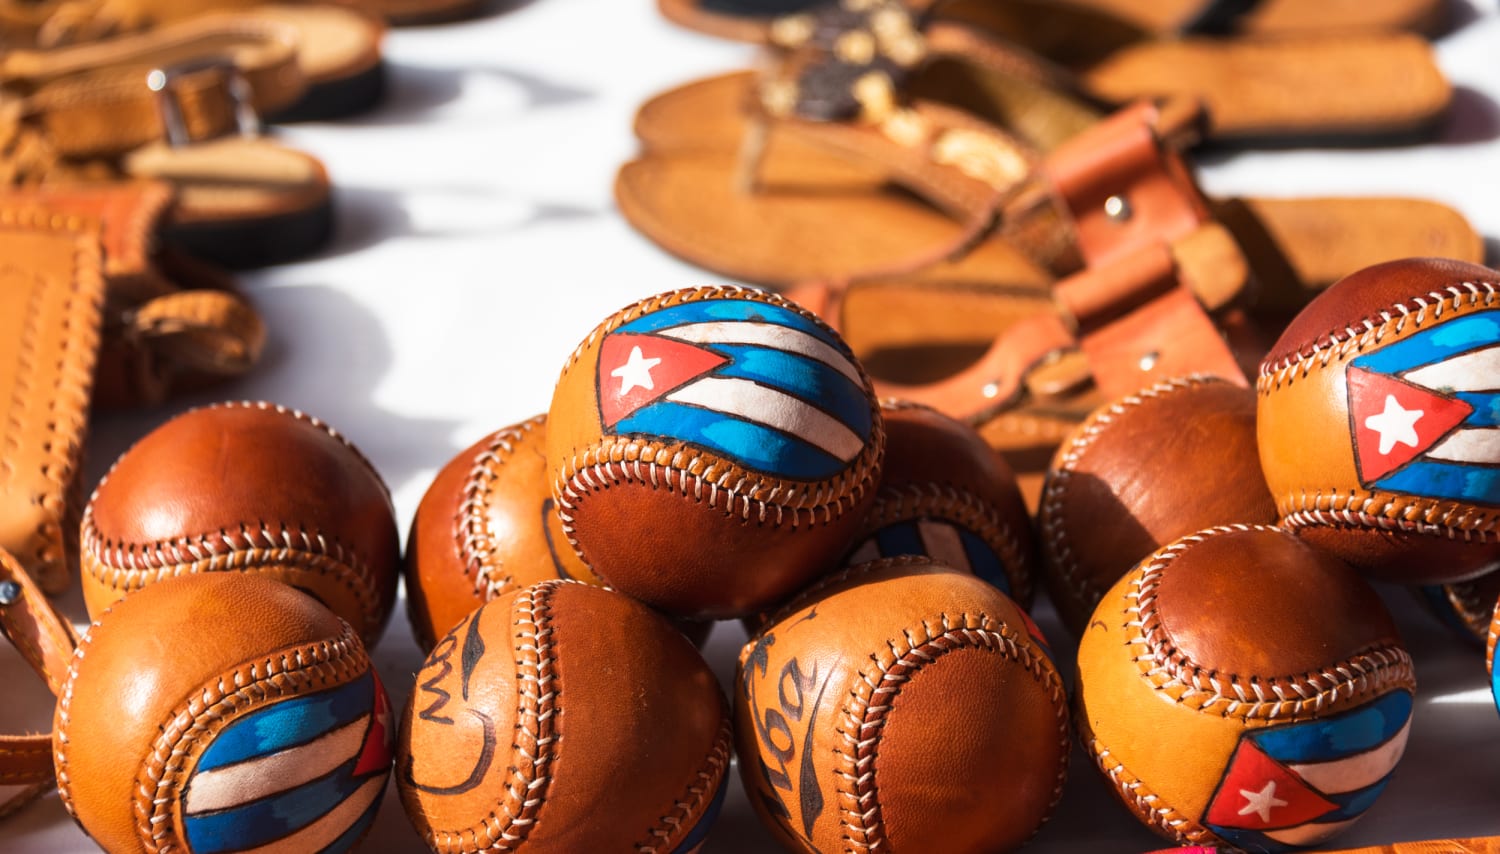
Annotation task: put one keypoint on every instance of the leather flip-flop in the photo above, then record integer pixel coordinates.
(934, 187)
(748, 20)
(299, 61)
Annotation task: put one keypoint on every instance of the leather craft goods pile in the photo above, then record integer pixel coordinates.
(994, 476)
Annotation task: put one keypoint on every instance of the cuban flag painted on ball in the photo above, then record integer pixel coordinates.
(1425, 412)
(1296, 785)
(942, 541)
(757, 383)
(302, 774)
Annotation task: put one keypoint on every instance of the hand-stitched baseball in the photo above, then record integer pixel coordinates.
(945, 494)
(900, 706)
(563, 717)
(1139, 473)
(246, 487)
(1378, 418)
(1278, 673)
(486, 526)
(1465, 607)
(222, 712)
(712, 450)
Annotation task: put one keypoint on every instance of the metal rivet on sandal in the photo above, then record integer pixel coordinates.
(1117, 209)
(1149, 360)
(9, 592)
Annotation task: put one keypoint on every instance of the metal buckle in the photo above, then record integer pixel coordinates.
(162, 82)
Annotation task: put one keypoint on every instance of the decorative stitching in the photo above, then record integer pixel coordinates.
(1173, 674)
(670, 828)
(1362, 509)
(215, 706)
(875, 692)
(471, 530)
(1341, 344)
(1057, 546)
(1146, 804)
(535, 745)
(697, 475)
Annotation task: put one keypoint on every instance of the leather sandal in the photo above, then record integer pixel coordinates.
(748, 20)
(46, 641)
(299, 61)
(241, 199)
(932, 189)
(1342, 88)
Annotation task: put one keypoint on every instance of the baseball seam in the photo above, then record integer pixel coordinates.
(535, 744)
(1173, 674)
(1062, 560)
(287, 673)
(124, 567)
(876, 691)
(471, 533)
(910, 501)
(1468, 606)
(1145, 803)
(1361, 509)
(661, 838)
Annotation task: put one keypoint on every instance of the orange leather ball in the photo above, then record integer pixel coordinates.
(900, 706)
(712, 450)
(1378, 416)
(1239, 688)
(1140, 472)
(246, 487)
(1489, 657)
(946, 494)
(563, 717)
(222, 712)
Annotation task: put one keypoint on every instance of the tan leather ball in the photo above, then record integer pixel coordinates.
(246, 487)
(900, 706)
(1377, 421)
(222, 712)
(1240, 688)
(486, 526)
(563, 717)
(712, 450)
(946, 494)
(1140, 472)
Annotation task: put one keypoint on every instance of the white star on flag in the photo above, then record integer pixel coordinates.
(1395, 424)
(1261, 803)
(636, 372)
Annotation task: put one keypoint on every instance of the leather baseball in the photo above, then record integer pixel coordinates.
(946, 494)
(900, 705)
(246, 487)
(1489, 655)
(1137, 474)
(1240, 688)
(712, 450)
(486, 526)
(222, 712)
(1465, 607)
(1377, 421)
(563, 717)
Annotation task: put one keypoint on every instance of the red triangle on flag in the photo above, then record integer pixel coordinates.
(1395, 421)
(375, 756)
(1259, 793)
(635, 370)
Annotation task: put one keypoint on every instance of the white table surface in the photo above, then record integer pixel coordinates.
(478, 243)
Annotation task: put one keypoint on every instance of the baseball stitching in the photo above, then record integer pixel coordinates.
(660, 839)
(875, 693)
(471, 532)
(1470, 609)
(287, 673)
(1145, 803)
(535, 745)
(1062, 561)
(1174, 674)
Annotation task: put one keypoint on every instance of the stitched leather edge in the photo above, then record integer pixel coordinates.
(471, 533)
(1366, 509)
(214, 706)
(875, 691)
(1146, 804)
(1057, 546)
(535, 745)
(663, 837)
(1279, 697)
